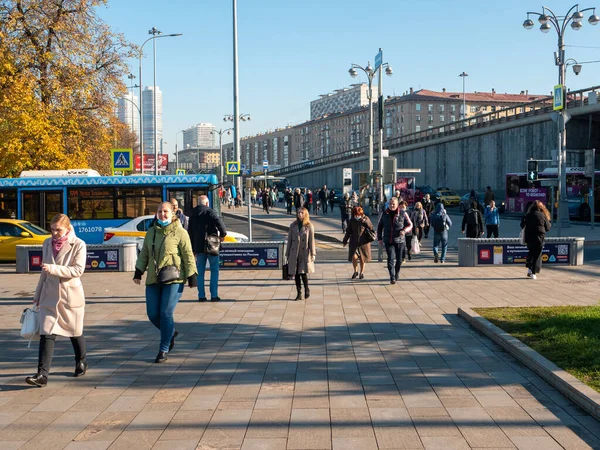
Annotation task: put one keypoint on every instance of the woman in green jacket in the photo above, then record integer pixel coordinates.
(167, 254)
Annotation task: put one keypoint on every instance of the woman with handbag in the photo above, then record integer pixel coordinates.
(360, 233)
(168, 257)
(536, 224)
(301, 251)
(60, 297)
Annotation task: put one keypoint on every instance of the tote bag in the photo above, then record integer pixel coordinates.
(30, 324)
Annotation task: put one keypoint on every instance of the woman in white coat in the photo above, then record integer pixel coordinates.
(59, 295)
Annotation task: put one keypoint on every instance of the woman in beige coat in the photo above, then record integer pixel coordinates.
(59, 295)
(301, 251)
(359, 252)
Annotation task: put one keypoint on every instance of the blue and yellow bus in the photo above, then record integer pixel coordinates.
(95, 202)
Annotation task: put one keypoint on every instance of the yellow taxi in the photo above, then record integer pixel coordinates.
(448, 197)
(18, 232)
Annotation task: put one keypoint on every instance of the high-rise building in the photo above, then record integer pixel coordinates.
(199, 136)
(129, 113)
(148, 119)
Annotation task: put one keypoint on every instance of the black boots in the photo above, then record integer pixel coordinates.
(80, 368)
(302, 277)
(298, 295)
(37, 380)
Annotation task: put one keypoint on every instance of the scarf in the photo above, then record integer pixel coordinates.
(57, 244)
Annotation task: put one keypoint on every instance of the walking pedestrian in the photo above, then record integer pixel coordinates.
(60, 297)
(289, 200)
(441, 223)
(428, 207)
(253, 195)
(301, 251)
(346, 211)
(299, 199)
(324, 196)
(179, 213)
(205, 221)
(418, 218)
(359, 250)
(472, 222)
(492, 219)
(331, 199)
(391, 229)
(167, 255)
(536, 223)
(266, 200)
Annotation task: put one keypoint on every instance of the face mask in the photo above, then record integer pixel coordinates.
(163, 223)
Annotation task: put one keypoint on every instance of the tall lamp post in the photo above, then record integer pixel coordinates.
(379, 65)
(548, 19)
(221, 161)
(463, 76)
(177, 152)
(368, 70)
(155, 35)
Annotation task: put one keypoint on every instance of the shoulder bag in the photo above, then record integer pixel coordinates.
(522, 237)
(166, 274)
(212, 243)
(367, 236)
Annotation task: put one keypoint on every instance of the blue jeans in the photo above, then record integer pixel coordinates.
(161, 300)
(394, 258)
(440, 239)
(213, 261)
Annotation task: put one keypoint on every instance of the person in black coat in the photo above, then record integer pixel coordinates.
(392, 227)
(536, 223)
(203, 221)
(472, 222)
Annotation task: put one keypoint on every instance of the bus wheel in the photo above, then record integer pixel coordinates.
(585, 213)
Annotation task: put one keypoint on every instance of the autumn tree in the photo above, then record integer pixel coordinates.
(61, 70)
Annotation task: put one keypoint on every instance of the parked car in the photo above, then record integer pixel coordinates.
(448, 198)
(18, 232)
(134, 231)
(465, 203)
(421, 191)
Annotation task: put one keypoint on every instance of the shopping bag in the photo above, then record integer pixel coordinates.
(30, 324)
(415, 248)
(522, 237)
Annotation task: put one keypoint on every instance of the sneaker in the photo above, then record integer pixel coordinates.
(442, 261)
(533, 277)
(529, 273)
(435, 258)
(215, 299)
(161, 357)
(392, 281)
(202, 299)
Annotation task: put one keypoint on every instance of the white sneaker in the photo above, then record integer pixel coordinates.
(533, 277)
(529, 273)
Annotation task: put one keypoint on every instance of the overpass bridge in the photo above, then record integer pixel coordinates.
(474, 152)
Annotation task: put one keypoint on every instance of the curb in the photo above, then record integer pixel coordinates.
(321, 236)
(578, 392)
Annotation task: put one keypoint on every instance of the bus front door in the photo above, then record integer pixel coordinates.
(39, 207)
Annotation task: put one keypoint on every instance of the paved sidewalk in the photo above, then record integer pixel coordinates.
(360, 365)
(328, 227)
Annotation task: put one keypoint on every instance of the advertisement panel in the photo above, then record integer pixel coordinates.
(553, 253)
(254, 258)
(163, 161)
(98, 260)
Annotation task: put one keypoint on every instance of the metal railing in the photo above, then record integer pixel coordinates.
(510, 114)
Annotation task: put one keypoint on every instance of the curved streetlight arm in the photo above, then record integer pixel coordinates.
(133, 103)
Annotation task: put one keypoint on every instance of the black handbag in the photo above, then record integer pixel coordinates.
(285, 275)
(166, 274)
(367, 236)
(212, 243)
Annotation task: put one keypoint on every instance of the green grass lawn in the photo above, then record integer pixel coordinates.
(569, 336)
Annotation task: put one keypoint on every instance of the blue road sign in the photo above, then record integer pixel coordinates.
(265, 164)
(378, 59)
(121, 159)
(233, 168)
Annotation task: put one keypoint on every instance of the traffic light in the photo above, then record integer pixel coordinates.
(532, 170)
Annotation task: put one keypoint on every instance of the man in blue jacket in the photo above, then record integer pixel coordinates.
(492, 219)
(391, 229)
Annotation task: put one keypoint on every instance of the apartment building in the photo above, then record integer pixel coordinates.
(199, 136)
(339, 131)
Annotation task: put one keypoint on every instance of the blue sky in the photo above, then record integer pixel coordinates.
(290, 51)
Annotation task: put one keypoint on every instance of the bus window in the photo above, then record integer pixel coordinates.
(135, 202)
(8, 204)
(91, 203)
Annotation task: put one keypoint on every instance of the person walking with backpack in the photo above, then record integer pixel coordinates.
(472, 222)
(428, 207)
(441, 223)
(536, 223)
(492, 219)
(391, 229)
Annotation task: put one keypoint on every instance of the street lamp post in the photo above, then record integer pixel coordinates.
(155, 35)
(463, 76)
(236, 119)
(221, 160)
(177, 152)
(548, 19)
(368, 70)
(132, 86)
(379, 65)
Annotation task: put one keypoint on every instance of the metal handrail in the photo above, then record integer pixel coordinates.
(529, 109)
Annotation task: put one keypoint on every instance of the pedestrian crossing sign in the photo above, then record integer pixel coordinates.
(233, 168)
(121, 159)
(180, 172)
